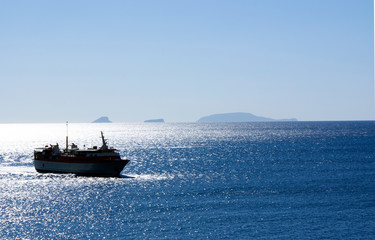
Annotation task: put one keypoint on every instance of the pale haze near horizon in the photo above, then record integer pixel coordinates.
(182, 60)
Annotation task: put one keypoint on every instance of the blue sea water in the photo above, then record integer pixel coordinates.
(277, 180)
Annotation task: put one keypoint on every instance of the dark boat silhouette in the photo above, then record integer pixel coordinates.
(103, 161)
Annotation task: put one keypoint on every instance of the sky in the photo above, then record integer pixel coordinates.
(78, 60)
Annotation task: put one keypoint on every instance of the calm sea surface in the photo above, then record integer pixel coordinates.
(296, 180)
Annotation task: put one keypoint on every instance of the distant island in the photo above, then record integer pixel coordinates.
(160, 120)
(239, 117)
(102, 120)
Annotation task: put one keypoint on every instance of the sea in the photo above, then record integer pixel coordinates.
(265, 180)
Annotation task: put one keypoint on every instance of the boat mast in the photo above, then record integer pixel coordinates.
(66, 136)
(103, 141)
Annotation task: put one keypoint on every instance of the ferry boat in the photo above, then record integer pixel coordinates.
(103, 161)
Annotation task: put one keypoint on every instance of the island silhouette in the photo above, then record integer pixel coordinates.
(239, 117)
(159, 120)
(103, 119)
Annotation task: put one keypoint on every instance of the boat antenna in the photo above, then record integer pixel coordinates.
(67, 136)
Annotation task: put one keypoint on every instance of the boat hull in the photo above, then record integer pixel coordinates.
(110, 168)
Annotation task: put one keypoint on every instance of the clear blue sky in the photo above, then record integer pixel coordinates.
(180, 60)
